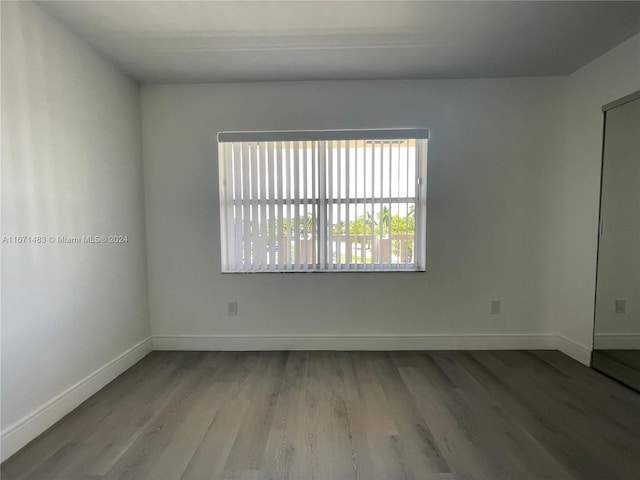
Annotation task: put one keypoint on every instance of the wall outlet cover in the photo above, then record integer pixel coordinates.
(495, 307)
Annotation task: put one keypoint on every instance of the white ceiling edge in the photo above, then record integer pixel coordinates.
(186, 42)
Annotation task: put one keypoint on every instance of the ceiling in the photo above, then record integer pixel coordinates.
(223, 41)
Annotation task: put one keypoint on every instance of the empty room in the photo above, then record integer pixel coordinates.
(320, 240)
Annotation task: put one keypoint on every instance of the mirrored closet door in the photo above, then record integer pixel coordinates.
(617, 311)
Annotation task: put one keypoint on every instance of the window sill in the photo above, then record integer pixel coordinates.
(342, 270)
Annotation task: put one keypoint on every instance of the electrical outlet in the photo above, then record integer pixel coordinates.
(621, 305)
(232, 308)
(495, 307)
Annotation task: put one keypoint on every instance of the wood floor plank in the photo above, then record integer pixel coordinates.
(126, 423)
(596, 401)
(380, 431)
(630, 358)
(282, 444)
(209, 457)
(262, 393)
(308, 430)
(554, 425)
(345, 415)
(436, 401)
(139, 460)
(178, 453)
(613, 401)
(588, 422)
(499, 434)
(420, 449)
(335, 438)
(623, 365)
(48, 455)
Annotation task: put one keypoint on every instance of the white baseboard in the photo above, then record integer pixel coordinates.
(16, 436)
(616, 341)
(575, 350)
(354, 342)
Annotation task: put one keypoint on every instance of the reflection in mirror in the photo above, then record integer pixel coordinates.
(617, 313)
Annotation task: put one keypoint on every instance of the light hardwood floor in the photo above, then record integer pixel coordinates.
(342, 415)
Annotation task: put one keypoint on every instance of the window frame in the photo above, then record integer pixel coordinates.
(324, 204)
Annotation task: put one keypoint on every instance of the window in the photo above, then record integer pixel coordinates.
(343, 200)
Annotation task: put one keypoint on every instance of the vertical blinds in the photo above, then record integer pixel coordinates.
(323, 200)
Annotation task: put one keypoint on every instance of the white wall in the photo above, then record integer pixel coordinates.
(71, 165)
(495, 145)
(574, 226)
